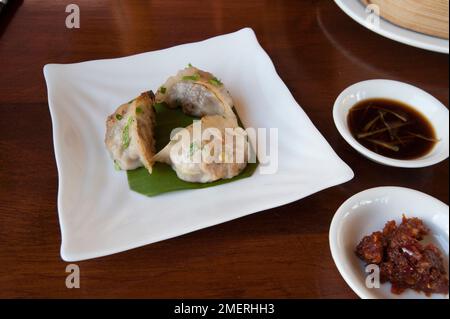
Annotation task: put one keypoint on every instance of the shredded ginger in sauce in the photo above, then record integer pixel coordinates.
(391, 128)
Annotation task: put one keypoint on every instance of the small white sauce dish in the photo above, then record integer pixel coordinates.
(368, 211)
(436, 113)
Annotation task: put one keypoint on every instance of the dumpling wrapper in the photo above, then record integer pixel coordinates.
(231, 161)
(130, 133)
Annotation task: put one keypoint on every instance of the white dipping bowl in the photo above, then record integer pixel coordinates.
(436, 113)
(368, 211)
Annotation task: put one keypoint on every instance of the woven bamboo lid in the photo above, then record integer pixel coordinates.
(425, 16)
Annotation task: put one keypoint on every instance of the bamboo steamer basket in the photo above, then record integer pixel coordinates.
(425, 16)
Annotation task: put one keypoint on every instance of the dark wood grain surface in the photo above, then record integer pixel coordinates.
(282, 252)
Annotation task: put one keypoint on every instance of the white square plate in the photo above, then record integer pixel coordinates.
(99, 215)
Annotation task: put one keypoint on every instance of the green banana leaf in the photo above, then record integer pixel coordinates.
(163, 178)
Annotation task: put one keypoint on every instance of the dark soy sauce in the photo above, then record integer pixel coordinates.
(391, 128)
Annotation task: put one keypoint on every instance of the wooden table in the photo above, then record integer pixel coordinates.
(282, 252)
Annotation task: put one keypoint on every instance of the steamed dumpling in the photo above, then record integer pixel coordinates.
(227, 161)
(199, 93)
(130, 137)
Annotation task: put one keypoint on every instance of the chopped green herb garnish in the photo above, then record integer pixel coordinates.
(192, 148)
(138, 110)
(190, 65)
(126, 139)
(215, 81)
(117, 166)
(194, 77)
(118, 116)
(162, 89)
